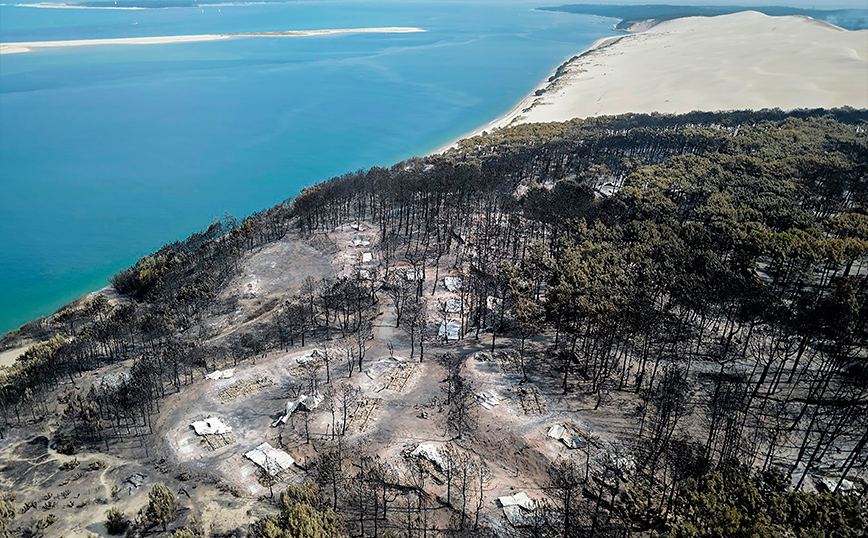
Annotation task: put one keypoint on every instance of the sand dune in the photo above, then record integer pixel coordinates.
(742, 61)
(11, 48)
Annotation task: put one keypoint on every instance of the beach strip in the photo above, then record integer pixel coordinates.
(13, 48)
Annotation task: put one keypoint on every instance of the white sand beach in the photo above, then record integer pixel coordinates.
(746, 60)
(12, 48)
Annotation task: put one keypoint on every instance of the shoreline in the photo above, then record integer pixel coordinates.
(512, 115)
(28, 46)
(702, 63)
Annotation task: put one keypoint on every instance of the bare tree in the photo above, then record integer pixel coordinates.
(566, 486)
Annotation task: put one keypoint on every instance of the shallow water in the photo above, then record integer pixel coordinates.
(107, 152)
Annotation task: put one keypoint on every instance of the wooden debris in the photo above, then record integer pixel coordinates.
(428, 458)
(509, 361)
(215, 441)
(244, 388)
(431, 470)
(360, 417)
(397, 378)
(532, 402)
(572, 436)
(304, 366)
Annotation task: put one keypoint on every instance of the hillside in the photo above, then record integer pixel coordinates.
(629, 325)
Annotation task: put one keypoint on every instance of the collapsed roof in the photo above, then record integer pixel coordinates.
(832, 483)
(519, 510)
(430, 453)
(568, 435)
(274, 461)
(414, 274)
(221, 374)
(517, 499)
(488, 399)
(452, 283)
(452, 306)
(304, 401)
(211, 426)
(315, 355)
(449, 330)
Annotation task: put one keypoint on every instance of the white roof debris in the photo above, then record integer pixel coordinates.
(114, 380)
(568, 435)
(306, 402)
(361, 243)
(517, 499)
(273, 460)
(452, 306)
(830, 483)
(364, 274)
(134, 481)
(314, 356)
(452, 283)
(482, 356)
(519, 517)
(556, 431)
(211, 426)
(367, 257)
(488, 399)
(449, 330)
(606, 189)
(519, 509)
(625, 467)
(221, 374)
(430, 453)
(358, 226)
(414, 274)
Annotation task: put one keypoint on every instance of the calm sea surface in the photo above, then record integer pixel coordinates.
(107, 152)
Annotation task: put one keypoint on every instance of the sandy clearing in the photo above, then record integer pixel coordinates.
(13, 48)
(8, 357)
(746, 60)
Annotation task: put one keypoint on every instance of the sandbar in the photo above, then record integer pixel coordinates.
(745, 60)
(12, 48)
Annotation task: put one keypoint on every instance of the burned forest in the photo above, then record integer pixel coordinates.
(637, 325)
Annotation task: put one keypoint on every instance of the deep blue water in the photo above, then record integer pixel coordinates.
(107, 152)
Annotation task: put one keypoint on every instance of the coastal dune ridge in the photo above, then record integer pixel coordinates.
(745, 60)
(13, 47)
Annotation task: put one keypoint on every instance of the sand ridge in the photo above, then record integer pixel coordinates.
(12, 48)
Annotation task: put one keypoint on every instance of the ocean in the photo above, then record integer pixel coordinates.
(108, 152)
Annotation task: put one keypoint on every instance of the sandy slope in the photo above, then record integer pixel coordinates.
(742, 61)
(11, 48)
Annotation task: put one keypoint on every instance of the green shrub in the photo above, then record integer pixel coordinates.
(115, 521)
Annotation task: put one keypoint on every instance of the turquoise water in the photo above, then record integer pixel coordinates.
(107, 152)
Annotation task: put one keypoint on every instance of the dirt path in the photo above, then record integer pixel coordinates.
(385, 332)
